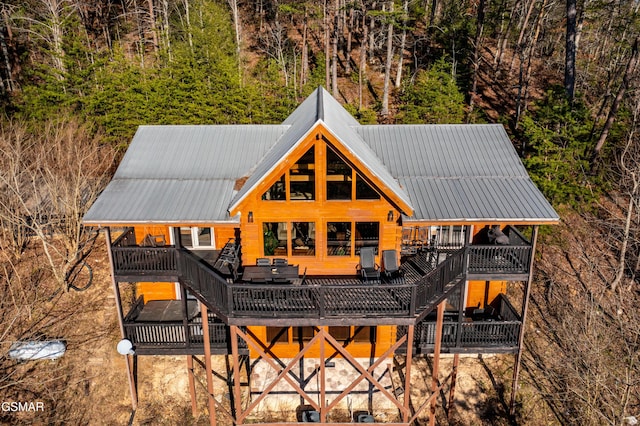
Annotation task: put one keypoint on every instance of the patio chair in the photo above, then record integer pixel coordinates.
(263, 261)
(280, 262)
(390, 264)
(368, 267)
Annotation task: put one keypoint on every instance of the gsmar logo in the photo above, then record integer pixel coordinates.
(24, 406)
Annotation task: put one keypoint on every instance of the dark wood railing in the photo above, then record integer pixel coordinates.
(228, 299)
(145, 260)
(126, 239)
(433, 283)
(174, 335)
(499, 333)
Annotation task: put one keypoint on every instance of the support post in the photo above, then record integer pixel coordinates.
(407, 374)
(207, 362)
(436, 361)
(237, 396)
(192, 386)
(452, 390)
(322, 402)
(525, 307)
(130, 371)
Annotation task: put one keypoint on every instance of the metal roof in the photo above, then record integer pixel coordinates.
(459, 172)
(321, 107)
(182, 173)
(189, 174)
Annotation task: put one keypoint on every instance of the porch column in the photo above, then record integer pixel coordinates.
(192, 386)
(407, 373)
(436, 362)
(129, 367)
(525, 306)
(454, 374)
(207, 362)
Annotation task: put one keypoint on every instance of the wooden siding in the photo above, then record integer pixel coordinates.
(385, 337)
(319, 211)
(151, 290)
(481, 293)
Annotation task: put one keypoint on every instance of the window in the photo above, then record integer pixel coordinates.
(196, 237)
(359, 334)
(275, 238)
(364, 191)
(290, 335)
(339, 238)
(278, 334)
(277, 191)
(367, 235)
(339, 243)
(302, 178)
(339, 177)
(303, 239)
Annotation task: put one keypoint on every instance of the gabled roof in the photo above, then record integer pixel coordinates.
(197, 174)
(320, 108)
(181, 174)
(459, 172)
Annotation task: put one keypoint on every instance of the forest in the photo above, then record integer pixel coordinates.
(78, 76)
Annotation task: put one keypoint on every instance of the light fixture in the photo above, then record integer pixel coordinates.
(390, 216)
(125, 347)
(250, 217)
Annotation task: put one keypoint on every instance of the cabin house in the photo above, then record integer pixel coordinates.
(321, 244)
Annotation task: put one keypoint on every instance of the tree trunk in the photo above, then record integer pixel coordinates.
(387, 69)
(304, 56)
(570, 51)
(403, 40)
(327, 62)
(334, 53)
(152, 21)
(476, 58)
(362, 69)
(347, 49)
(626, 78)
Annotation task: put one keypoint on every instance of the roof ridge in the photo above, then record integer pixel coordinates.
(320, 106)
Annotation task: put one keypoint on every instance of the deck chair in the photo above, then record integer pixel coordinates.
(367, 266)
(263, 261)
(280, 262)
(390, 265)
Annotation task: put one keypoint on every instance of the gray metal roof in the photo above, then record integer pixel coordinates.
(182, 173)
(189, 174)
(321, 107)
(459, 172)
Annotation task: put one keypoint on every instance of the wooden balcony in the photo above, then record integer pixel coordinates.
(511, 262)
(429, 278)
(174, 337)
(494, 333)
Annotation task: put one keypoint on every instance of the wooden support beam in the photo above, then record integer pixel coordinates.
(436, 361)
(323, 386)
(407, 374)
(116, 291)
(282, 374)
(192, 386)
(452, 388)
(525, 307)
(207, 362)
(237, 392)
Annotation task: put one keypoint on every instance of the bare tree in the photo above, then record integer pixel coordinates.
(51, 181)
(387, 69)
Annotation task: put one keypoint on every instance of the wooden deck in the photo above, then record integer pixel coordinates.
(428, 278)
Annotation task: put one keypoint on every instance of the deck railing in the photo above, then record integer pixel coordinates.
(320, 301)
(502, 332)
(174, 335)
(433, 283)
(145, 260)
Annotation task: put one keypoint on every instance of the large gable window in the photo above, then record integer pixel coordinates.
(277, 191)
(364, 191)
(302, 177)
(339, 177)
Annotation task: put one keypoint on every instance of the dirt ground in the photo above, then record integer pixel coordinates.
(88, 385)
